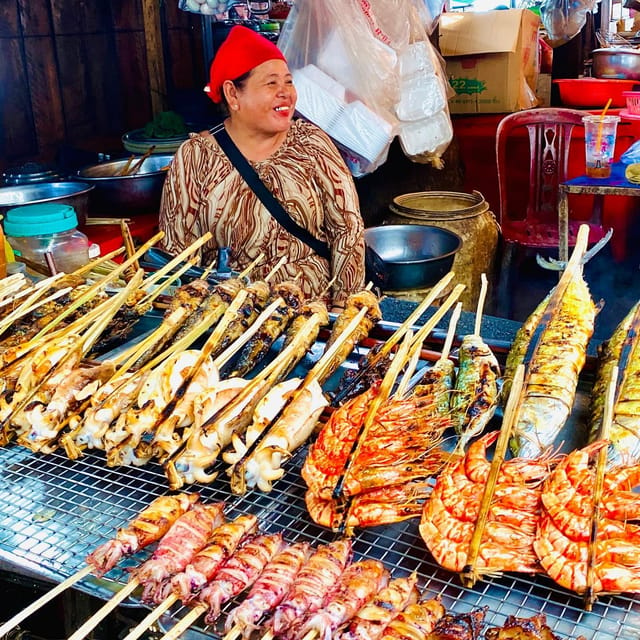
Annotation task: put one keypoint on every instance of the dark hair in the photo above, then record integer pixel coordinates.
(238, 83)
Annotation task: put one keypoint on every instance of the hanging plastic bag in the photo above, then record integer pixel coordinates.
(345, 59)
(564, 19)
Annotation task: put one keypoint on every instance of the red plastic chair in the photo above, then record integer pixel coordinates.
(528, 213)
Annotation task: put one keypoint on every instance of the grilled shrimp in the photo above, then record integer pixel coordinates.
(552, 374)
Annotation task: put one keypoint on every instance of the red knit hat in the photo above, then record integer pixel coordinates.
(242, 50)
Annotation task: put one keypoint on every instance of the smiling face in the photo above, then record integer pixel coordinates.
(266, 100)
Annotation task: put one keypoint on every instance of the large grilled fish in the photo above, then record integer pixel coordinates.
(623, 350)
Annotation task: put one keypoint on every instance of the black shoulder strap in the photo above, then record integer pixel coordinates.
(266, 197)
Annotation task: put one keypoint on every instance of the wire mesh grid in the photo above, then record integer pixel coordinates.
(54, 511)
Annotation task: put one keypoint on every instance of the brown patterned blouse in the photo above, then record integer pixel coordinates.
(204, 192)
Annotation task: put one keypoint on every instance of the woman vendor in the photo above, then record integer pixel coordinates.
(296, 161)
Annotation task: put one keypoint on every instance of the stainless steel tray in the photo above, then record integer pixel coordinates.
(54, 511)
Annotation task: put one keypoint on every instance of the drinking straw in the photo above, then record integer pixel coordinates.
(601, 125)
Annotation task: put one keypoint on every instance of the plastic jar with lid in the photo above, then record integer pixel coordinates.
(33, 231)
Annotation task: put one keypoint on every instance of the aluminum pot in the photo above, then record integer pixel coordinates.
(121, 196)
(616, 62)
(415, 256)
(75, 194)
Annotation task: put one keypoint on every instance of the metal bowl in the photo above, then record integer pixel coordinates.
(73, 193)
(616, 62)
(416, 256)
(119, 196)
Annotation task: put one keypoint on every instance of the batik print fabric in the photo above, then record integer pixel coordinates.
(204, 192)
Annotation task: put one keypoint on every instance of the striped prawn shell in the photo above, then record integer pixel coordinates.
(552, 374)
(624, 433)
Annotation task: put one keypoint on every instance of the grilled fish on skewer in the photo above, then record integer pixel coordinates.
(354, 303)
(149, 526)
(372, 619)
(476, 392)
(256, 301)
(622, 350)
(313, 583)
(418, 621)
(206, 563)
(239, 572)
(258, 347)
(268, 591)
(549, 391)
(188, 534)
(358, 583)
(309, 308)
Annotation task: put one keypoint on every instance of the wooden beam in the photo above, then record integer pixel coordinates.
(155, 56)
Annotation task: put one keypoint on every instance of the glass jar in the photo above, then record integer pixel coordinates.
(47, 232)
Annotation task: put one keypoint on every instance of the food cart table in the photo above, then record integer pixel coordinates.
(54, 511)
(615, 185)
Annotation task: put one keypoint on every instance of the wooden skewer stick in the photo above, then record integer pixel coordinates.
(412, 363)
(123, 170)
(480, 307)
(601, 468)
(268, 635)
(311, 634)
(469, 574)
(42, 600)
(245, 272)
(106, 609)
(397, 335)
(451, 332)
(154, 291)
(275, 269)
(154, 615)
(176, 631)
(234, 633)
(138, 164)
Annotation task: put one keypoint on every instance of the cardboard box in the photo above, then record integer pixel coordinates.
(491, 60)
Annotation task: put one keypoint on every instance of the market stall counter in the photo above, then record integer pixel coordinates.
(55, 511)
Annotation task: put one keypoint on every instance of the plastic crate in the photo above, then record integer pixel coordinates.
(633, 102)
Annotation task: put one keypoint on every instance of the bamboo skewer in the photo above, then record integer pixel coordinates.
(468, 573)
(105, 610)
(601, 468)
(42, 600)
(245, 272)
(397, 335)
(124, 169)
(480, 308)
(154, 615)
(276, 268)
(135, 167)
(177, 630)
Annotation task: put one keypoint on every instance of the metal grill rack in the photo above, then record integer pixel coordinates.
(55, 511)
